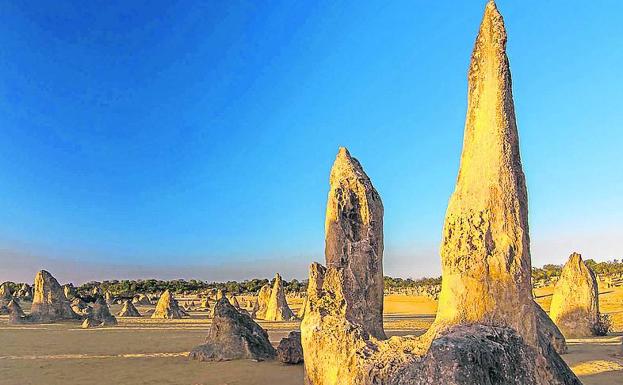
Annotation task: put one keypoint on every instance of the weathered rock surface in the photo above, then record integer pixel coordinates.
(141, 299)
(6, 294)
(485, 249)
(486, 330)
(301, 312)
(70, 291)
(25, 292)
(278, 309)
(101, 313)
(548, 331)
(263, 298)
(15, 312)
(128, 310)
(80, 307)
(354, 241)
(290, 350)
(233, 335)
(49, 301)
(575, 302)
(167, 307)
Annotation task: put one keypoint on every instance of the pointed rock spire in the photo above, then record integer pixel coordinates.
(354, 241)
(167, 307)
(575, 302)
(486, 247)
(128, 310)
(278, 309)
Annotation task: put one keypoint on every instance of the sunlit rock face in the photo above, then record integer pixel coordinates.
(486, 331)
(167, 307)
(263, 298)
(49, 302)
(354, 241)
(485, 250)
(278, 309)
(575, 302)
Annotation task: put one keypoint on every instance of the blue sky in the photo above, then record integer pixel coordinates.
(174, 139)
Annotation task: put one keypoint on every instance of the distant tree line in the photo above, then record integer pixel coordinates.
(131, 287)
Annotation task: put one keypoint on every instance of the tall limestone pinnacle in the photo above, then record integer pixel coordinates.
(354, 241)
(486, 246)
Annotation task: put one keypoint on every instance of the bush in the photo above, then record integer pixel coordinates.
(603, 325)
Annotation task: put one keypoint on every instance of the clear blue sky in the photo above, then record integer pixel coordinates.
(174, 139)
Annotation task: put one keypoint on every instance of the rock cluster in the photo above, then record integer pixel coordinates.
(167, 307)
(233, 335)
(128, 310)
(49, 301)
(290, 350)
(354, 241)
(488, 329)
(278, 309)
(79, 306)
(575, 302)
(24, 292)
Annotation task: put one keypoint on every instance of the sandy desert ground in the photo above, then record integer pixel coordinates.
(146, 351)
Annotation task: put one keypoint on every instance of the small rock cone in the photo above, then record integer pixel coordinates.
(141, 299)
(575, 302)
(101, 313)
(278, 309)
(128, 310)
(167, 307)
(89, 323)
(233, 335)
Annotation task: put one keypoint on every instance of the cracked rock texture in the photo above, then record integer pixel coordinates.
(354, 240)
(488, 330)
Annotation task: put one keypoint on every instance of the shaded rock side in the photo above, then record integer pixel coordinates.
(90, 323)
(80, 307)
(49, 302)
(101, 313)
(16, 314)
(128, 310)
(233, 335)
(263, 298)
(548, 331)
(485, 249)
(141, 299)
(290, 350)
(6, 294)
(278, 309)
(167, 307)
(354, 240)
(234, 302)
(575, 302)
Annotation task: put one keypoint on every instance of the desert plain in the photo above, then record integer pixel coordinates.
(154, 351)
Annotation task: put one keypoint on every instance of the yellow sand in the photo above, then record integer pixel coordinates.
(153, 351)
